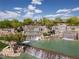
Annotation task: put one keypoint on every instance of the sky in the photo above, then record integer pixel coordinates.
(21, 9)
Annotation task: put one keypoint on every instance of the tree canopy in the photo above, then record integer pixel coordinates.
(27, 21)
(73, 21)
(15, 23)
(5, 24)
(44, 21)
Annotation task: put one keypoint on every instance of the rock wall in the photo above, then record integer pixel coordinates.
(42, 54)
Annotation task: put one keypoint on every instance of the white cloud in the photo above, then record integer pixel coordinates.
(30, 10)
(17, 8)
(12, 14)
(8, 15)
(19, 12)
(67, 10)
(58, 15)
(63, 11)
(33, 10)
(38, 2)
(48, 16)
(25, 10)
(37, 17)
(55, 15)
(31, 7)
(28, 15)
(75, 9)
(38, 11)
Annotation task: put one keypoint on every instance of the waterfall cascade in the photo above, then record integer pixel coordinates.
(42, 54)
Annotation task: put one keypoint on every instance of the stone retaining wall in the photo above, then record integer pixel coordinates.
(42, 54)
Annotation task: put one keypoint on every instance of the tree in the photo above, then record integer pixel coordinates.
(15, 23)
(5, 24)
(57, 20)
(27, 21)
(73, 21)
(46, 22)
(18, 37)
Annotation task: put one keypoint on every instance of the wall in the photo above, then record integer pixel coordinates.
(42, 54)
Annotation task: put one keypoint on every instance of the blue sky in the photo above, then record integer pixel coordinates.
(36, 8)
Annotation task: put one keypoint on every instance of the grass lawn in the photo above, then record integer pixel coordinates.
(23, 56)
(2, 46)
(69, 48)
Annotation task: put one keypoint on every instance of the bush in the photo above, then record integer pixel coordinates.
(13, 37)
(2, 45)
(46, 34)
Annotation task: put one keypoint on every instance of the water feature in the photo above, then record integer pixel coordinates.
(42, 54)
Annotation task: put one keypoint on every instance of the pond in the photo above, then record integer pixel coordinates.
(66, 47)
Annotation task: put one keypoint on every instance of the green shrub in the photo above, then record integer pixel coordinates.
(13, 37)
(2, 46)
(46, 34)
